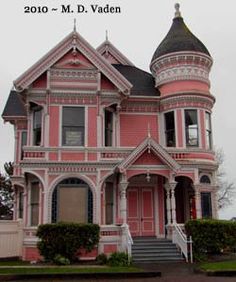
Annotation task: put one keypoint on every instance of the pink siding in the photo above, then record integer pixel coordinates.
(54, 126)
(31, 254)
(53, 156)
(92, 127)
(106, 84)
(72, 156)
(134, 128)
(147, 158)
(41, 82)
(180, 86)
(180, 128)
(111, 248)
(92, 157)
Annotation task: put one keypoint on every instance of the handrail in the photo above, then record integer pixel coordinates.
(127, 239)
(185, 244)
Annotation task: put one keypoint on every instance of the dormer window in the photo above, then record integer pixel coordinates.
(170, 129)
(37, 126)
(191, 128)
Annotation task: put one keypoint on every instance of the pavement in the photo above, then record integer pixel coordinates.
(170, 272)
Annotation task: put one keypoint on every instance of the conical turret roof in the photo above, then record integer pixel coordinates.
(178, 39)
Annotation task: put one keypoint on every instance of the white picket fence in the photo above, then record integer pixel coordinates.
(11, 236)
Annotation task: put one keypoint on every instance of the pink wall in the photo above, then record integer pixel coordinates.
(180, 86)
(179, 128)
(41, 82)
(134, 128)
(92, 127)
(54, 126)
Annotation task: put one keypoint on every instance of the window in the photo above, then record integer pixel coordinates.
(23, 143)
(205, 179)
(191, 127)
(208, 131)
(72, 201)
(21, 204)
(108, 127)
(109, 202)
(73, 126)
(34, 202)
(206, 205)
(170, 129)
(37, 127)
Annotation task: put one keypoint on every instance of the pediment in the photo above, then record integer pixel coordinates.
(149, 152)
(74, 49)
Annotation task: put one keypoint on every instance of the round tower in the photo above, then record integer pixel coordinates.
(181, 62)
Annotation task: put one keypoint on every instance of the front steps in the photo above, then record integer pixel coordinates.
(151, 249)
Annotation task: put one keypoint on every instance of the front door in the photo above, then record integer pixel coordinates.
(140, 211)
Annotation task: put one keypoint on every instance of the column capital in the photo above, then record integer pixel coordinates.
(169, 186)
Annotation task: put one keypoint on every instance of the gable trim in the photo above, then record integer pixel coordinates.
(150, 145)
(72, 41)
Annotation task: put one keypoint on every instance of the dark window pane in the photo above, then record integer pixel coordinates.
(108, 128)
(34, 204)
(206, 205)
(21, 204)
(73, 126)
(191, 127)
(37, 127)
(23, 142)
(170, 129)
(205, 179)
(208, 131)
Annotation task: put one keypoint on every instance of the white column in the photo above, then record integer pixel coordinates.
(197, 201)
(168, 204)
(123, 200)
(173, 201)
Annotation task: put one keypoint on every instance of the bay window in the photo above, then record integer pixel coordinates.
(208, 131)
(191, 127)
(170, 129)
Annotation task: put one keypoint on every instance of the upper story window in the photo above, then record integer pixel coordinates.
(108, 116)
(170, 129)
(73, 126)
(191, 127)
(206, 205)
(34, 203)
(23, 142)
(205, 179)
(208, 131)
(37, 126)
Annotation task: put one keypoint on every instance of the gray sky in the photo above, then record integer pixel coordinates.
(136, 32)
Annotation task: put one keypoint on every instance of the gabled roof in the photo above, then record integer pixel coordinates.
(14, 107)
(150, 145)
(108, 48)
(72, 41)
(142, 81)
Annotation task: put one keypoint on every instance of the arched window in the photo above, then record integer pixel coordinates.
(72, 201)
(205, 179)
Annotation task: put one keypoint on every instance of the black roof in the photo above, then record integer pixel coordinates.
(14, 106)
(179, 38)
(142, 81)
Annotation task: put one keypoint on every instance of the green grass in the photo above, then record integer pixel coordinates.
(63, 270)
(14, 263)
(219, 266)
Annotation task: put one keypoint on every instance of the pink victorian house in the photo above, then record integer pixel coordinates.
(98, 140)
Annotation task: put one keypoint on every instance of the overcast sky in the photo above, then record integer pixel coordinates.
(136, 32)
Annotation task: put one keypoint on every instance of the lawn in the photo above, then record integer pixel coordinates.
(219, 266)
(63, 270)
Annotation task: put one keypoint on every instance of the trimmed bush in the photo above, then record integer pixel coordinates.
(119, 259)
(65, 239)
(102, 259)
(211, 236)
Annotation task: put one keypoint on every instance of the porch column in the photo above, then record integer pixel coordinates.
(173, 202)
(123, 201)
(197, 201)
(168, 204)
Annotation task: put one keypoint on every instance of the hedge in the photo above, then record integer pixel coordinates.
(65, 239)
(211, 236)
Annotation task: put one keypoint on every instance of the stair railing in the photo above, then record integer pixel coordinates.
(181, 240)
(127, 239)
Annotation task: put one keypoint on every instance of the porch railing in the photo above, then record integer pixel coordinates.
(181, 240)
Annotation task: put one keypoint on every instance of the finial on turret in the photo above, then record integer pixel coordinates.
(74, 24)
(177, 11)
(106, 35)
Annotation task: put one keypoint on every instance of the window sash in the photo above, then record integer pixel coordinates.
(191, 128)
(206, 205)
(208, 131)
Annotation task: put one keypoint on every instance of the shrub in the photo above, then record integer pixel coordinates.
(102, 259)
(60, 260)
(66, 239)
(119, 259)
(211, 236)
